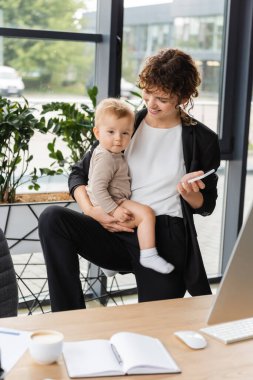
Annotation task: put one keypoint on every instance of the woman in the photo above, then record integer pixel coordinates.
(168, 148)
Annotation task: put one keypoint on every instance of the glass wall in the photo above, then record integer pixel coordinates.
(199, 32)
(249, 179)
(44, 69)
(47, 69)
(197, 29)
(149, 28)
(68, 16)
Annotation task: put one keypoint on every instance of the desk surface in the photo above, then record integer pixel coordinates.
(158, 319)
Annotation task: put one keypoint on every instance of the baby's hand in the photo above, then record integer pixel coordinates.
(122, 214)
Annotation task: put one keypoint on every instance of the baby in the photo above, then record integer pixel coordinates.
(109, 181)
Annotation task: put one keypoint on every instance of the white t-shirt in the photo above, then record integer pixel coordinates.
(156, 165)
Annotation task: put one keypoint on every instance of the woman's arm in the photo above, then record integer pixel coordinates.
(205, 156)
(208, 157)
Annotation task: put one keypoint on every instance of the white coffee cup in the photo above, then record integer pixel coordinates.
(45, 346)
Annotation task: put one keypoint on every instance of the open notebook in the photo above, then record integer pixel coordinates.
(125, 353)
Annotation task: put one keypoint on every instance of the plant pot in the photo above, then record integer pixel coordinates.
(19, 222)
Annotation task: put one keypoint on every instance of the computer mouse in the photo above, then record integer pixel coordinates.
(192, 339)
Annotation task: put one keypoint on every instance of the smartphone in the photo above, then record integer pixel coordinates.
(201, 176)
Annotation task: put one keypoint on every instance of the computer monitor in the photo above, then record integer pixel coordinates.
(234, 297)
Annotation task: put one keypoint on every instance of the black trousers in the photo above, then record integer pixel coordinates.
(65, 233)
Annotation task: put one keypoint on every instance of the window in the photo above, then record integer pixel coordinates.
(54, 59)
(68, 16)
(50, 70)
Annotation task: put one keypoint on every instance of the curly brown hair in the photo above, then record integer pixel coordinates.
(174, 72)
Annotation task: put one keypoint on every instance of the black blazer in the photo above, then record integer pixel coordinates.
(201, 152)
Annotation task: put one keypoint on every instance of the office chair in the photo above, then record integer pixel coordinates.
(8, 282)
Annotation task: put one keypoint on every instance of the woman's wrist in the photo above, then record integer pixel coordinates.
(195, 200)
(83, 200)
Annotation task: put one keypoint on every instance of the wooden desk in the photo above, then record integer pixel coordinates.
(158, 319)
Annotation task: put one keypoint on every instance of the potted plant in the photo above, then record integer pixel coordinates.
(73, 124)
(18, 125)
(70, 122)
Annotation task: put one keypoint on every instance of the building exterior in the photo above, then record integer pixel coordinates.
(195, 26)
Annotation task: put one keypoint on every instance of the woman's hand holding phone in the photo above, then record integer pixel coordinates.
(194, 179)
(190, 185)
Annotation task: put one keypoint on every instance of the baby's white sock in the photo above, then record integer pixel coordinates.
(149, 258)
(109, 273)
